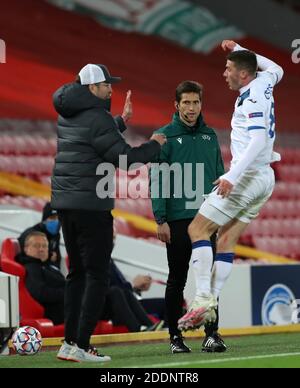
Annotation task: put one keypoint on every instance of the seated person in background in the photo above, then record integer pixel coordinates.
(122, 308)
(141, 283)
(153, 306)
(50, 226)
(44, 281)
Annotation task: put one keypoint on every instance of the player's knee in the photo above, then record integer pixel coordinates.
(197, 231)
(192, 230)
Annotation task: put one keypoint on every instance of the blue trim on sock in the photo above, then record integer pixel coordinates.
(226, 257)
(201, 243)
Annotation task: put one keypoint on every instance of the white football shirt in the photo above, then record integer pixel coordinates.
(254, 110)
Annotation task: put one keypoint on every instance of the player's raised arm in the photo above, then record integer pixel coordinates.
(263, 63)
(271, 67)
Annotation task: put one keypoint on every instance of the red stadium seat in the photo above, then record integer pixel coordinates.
(122, 226)
(26, 144)
(7, 164)
(32, 166)
(52, 146)
(288, 172)
(45, 180)
(290, 156)
(281, 209)
(289, 247)
(144, 207)
(226, 154)
(7, 145)
(27, 202)
(288, 227)
(31, 312)
(21, 145)
(140, 206)
(286, 190)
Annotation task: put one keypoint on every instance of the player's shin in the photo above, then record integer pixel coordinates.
(202, 259)
(221, 272)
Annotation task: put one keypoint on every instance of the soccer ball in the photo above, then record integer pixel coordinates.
(27, 341)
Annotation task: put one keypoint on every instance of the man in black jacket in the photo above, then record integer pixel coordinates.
(140, 283)
(50, 226)
(44, 281)
(89, 143)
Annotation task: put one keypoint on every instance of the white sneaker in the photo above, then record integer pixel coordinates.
(64, 351)
(201, 311)
(4, 351)
(78, 355)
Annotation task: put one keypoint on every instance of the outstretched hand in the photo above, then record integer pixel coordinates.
(127, 110)
(228, 45)
(159, 137)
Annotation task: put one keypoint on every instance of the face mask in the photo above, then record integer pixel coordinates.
(52, 227)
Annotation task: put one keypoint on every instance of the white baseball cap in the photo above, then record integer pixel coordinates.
(93, 74)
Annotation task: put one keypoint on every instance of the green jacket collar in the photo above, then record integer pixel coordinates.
(179, 127)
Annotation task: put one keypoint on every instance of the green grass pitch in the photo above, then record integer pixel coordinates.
(262, 351)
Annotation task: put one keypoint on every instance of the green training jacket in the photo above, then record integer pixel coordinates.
(187, 146)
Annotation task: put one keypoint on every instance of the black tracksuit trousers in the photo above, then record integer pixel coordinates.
(88, 237)
(179, 254)
(123, 308)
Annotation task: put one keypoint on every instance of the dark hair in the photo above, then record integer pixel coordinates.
(244, 60)
(188, 87)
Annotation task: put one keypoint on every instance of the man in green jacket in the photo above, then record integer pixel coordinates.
(193, 156)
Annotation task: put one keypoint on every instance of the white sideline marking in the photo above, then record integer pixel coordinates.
(217, 360)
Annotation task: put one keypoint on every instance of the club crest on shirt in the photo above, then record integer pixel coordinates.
(269, 92)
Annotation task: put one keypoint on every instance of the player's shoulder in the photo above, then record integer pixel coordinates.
(262, 82)
(254, 98)
(260, 93)
(254, 103)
